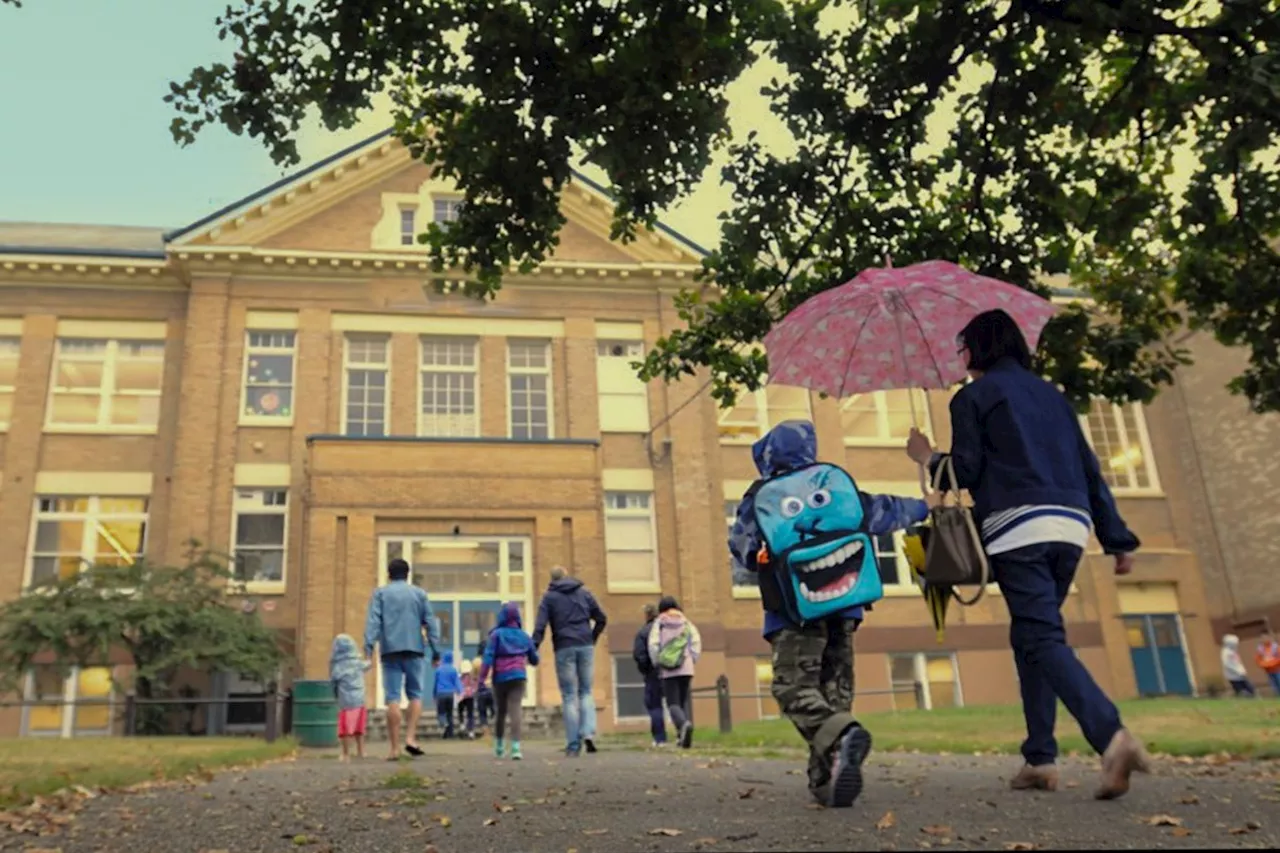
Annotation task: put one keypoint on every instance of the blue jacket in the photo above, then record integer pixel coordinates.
(1016, 441)
(572, 613)
(447, 682)
(791, 445)
(346, 671)
(508, 648)
(397, 614)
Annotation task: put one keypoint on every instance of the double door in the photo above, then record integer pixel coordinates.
(1159, 654)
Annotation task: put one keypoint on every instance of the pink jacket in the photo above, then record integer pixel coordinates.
(668, 626)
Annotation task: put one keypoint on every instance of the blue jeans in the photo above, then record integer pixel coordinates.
(401, 671)
(653, 704)
(1274, 678)
(1035, 581)
(574, 671)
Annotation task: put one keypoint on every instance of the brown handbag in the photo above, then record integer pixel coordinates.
(953, 550)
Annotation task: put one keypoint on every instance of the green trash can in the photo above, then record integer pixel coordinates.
(315, 713)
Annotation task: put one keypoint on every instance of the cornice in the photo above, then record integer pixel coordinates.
(76, 271)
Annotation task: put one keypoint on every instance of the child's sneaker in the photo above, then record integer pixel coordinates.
(686, 735)
(497, 746)
(846, 768)
(515, 751)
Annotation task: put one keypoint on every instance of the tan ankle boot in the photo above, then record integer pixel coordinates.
(1042, 777)
(1124, 757)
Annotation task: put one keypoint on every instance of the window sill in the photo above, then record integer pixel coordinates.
(624, 430)
(259, 421)
(99, 429)
(876, 442)
(1139, 493)
(738, 440)
(633, 588)
(746, 593)
(263, 588)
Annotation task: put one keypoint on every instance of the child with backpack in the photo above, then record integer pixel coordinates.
(807, 530)
(506, 653)
(674, 647)
(446, 690)
(467, 704)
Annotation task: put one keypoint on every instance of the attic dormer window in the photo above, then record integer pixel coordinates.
(408, 227)
(445, 209)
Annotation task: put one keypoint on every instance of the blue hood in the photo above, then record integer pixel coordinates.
(789, 445)
(344, 651)
(447, 659)
(509, 616)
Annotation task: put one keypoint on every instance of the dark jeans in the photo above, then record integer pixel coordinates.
(444, 713)
(1242, 687)
(675, 689)
(485, 706)
(1035, 581)
(653, 704)
(467, 711)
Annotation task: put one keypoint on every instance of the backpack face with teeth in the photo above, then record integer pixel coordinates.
(812, 522)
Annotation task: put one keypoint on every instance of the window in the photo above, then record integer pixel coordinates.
(86, 696)
(445, 209)
(71, 533)
(744, 579)
(9, 351)
(366, 364)
(1118, 435)
(260, 537)
(925, 680)
(758, 411)
(529, 384)
(769, 709)
(628, 689)
(894, 570)
(882, 417)
(448, 388)
(408, 226)
(624, 399)
(106, 383)
(631, 560)
(268, 377)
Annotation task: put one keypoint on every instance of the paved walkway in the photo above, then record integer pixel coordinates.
(668, 801)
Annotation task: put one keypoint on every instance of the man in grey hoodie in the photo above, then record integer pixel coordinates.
(576, 622)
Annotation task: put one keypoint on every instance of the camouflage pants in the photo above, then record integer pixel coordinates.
(813, 683)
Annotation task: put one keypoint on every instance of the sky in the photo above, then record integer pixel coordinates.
(84, 129)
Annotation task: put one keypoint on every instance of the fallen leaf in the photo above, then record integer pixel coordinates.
(745, 794)
(1180, 832)
(1162, 820)
(1019, 845)
(490, 821)
(1189, 799)
(1239, 830)
(385, 815)
(1252, 826)
(937, 831)
(503, 808)
(887, 822)
(743, 836)
(443, 820)
(1072, 784)
(347, 803)
(670, 833)
(817, 807)
(595, 831)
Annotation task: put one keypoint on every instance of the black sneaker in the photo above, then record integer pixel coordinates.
(590, 744)
(686, 735)
(846, 768)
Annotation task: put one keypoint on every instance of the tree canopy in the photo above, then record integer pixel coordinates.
(1127, 144)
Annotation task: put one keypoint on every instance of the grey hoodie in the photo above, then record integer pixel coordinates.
(1232, 666)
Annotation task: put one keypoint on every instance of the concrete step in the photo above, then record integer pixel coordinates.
(539, 722)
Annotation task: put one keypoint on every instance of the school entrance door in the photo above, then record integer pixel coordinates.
(1159, 657)
(467, 581)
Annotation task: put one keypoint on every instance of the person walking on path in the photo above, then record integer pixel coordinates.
(576, 622)
(446, 689)
(1268, 657)
(1018, 448)
(674, 647)
(1233, 667)
(398, 614)
(346, 672)
(506, 654)
(652, 684)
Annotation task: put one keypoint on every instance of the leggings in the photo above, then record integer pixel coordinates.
(508, 695)
(675, 689)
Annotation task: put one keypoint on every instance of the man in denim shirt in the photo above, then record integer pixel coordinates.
(398, 613)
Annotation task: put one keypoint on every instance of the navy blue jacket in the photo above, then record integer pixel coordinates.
(1016, 441)
(572, 613)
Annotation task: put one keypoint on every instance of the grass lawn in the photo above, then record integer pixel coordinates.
(1181, 727)
(31, 767)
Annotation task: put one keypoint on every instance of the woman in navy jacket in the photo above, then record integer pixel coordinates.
(1038, 492)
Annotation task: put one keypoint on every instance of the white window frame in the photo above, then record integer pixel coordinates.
(646, 512)
(70, 695)
(89, 536)
(255, 500)
(250, 349)
(370, 366)
(106, 389)
(883, 437)
(920, 670)
(617, 718)
(607, 351)
(449, 205)
(737, 590)
(473, 369)
(11, 390)
(1142, 442)
(408, 215)
(531, 371)
(743, 432)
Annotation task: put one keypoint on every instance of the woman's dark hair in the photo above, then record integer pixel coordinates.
(668, 602)
(398, 569)
(991, 336)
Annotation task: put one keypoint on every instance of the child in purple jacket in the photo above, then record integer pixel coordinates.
(506, 654)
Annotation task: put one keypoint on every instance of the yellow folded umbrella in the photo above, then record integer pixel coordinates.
(938, 598)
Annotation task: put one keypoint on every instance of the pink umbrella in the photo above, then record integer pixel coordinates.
(893, 328)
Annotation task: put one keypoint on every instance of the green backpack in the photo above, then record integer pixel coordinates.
(671, 656)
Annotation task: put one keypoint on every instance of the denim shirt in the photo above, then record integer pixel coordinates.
(397, 614)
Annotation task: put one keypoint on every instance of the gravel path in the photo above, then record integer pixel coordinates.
(668, 801)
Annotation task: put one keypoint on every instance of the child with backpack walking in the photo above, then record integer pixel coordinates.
(506, 654)
(484, 694)
(446, 690)
(346, 672)
(467, 704)
(674, 647)
(806, 529)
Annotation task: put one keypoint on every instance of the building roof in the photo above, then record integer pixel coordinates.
(56, 238)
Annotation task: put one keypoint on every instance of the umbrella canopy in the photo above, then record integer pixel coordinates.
(893, 328)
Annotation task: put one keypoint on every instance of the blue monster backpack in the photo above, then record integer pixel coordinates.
(821, 559)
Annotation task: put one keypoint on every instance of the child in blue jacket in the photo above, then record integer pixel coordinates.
(506, 654)
(446, 690)
(813, 664)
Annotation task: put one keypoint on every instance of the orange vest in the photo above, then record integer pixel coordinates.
(1268, 656)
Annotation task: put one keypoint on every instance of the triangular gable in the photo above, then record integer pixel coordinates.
(352, 202)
